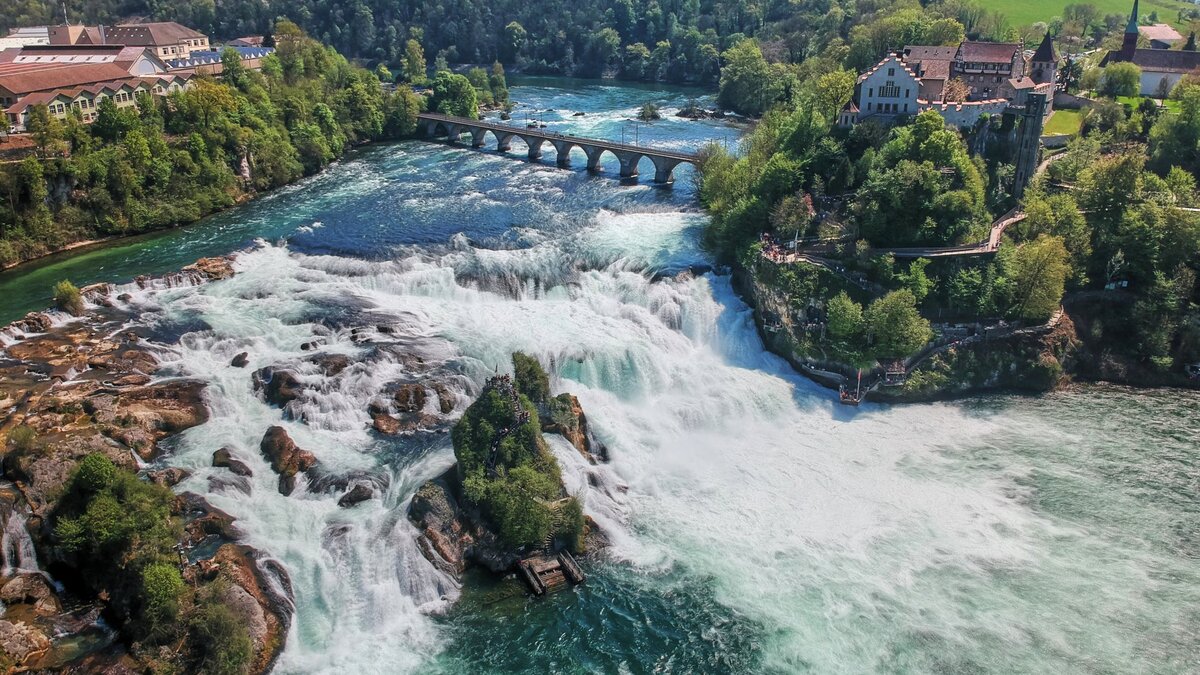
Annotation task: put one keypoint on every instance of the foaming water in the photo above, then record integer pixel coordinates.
(756, 526)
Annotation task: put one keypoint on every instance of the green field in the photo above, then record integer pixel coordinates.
(1064, 122)
(1024, 12)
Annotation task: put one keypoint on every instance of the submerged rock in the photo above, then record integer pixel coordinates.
(241, 360)
(286, 459)
(223, 458)
(410, 398)
(359, 493)
(278, 386)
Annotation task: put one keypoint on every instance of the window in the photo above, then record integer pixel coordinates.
(871, 91)
(891, 72)
(868, 106)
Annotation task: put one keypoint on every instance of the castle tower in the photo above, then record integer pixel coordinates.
(1129, 44)
(1043, 66)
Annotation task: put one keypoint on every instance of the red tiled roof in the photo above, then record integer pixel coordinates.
(59, 75)
(1158, 60)
(151, 34)
(987, 52)
(924, 53)
(96, 88)
(1160, 31)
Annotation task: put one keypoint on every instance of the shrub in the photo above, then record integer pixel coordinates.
(22, 438)
(95, 473)
(68, 298)
(162, 590)
(531, 378)
(222, 646)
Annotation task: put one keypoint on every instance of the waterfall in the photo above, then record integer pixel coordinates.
(16, 546)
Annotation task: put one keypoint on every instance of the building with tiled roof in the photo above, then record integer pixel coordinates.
(209, 62)
(86, 98)
(169, 40)
(23, 37)
(1161, 68)
(1160, 35)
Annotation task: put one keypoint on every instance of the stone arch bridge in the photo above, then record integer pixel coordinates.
(433, 125)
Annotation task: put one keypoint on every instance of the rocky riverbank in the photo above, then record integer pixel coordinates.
(1034, 359)
(91, 390)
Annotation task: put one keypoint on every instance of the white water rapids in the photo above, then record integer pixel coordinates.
(844, 533)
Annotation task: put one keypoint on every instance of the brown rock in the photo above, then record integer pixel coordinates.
(213, 269)
(224, 458)
(31, 588)
(331, 364)
(359, 493)
(268, 625)
(410, 398)
(278, 386)
(286, 459)
(22, 642)
(565, 417)
(241, 360)
(168, 477)
(385, 424)
(446, 398)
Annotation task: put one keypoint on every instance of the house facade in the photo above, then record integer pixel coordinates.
(1162, 69)
(86, 99)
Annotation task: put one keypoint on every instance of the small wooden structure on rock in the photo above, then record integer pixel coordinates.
(543, 573)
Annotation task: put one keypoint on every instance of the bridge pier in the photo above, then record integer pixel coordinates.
(535, 146)
(593, 156)
(629, 163)
(453, 131)
(478, 136)
(664, 169)
(563, 148)
(503, 141)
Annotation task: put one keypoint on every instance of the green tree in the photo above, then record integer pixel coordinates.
(454, 95)
(1121, 79)
(1040, 270)
(414, 63)
(894, 326)
(845, 318)
(531, 379)
(67, 298)
(750, 85)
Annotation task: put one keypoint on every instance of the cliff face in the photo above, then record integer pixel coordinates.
(88, 387)
(1038, 359)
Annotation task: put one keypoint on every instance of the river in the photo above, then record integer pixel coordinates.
(758, 526)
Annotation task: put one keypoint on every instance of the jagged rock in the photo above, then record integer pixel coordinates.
(169, 477)
(277, 385)
(203, 520)
(331, 364)
(22, 642)
(410, 398)
(148, 414)
(385, 424)
(359, 493)
(241, 360)
(446, 398)
(565, 417)
(224, 458)
(452, 535)
(286, 459)
(213, 269)
(31, 588)
(33, 322)
(268, 625)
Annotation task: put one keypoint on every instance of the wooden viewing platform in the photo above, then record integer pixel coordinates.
(544, 573)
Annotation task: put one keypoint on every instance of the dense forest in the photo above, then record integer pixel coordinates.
(667, 40)
(174, 160)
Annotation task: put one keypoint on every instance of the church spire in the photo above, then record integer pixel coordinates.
(1132, 26)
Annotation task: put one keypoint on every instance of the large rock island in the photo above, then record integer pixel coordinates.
(503, 501)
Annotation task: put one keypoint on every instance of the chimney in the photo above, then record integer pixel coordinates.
(1191, 43)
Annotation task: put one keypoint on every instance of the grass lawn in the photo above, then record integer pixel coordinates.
(1172, 105)
(1024, 12)
(1064, 122)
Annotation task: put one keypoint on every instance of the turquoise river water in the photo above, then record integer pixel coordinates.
(757, 526)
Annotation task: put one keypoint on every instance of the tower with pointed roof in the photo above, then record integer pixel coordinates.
(1043, 67)
(1129, 43)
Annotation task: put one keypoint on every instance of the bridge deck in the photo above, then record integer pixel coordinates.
(555, 136)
